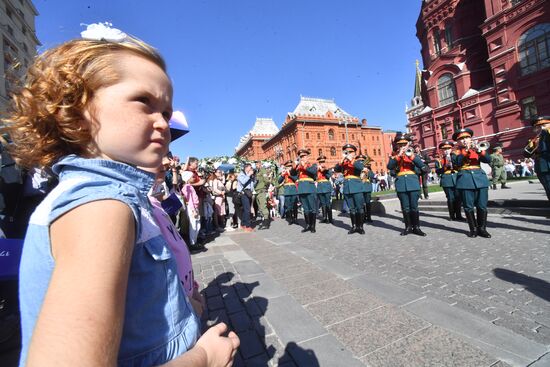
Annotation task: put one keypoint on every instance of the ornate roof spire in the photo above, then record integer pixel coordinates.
(418, 81)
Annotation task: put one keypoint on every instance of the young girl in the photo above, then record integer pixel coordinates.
(98, 283)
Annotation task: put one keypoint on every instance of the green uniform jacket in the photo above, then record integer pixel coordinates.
(307, 186)
(446, 179)
(406, 183)
(471, 179)
(352, 185)
(289, 190)
(542, 154)
(324, 187)
(367, 182)
(262, 181)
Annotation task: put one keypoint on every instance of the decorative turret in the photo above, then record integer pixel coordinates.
(416, 102)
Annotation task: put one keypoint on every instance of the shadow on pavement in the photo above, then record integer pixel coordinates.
(538, 287)
(426, 223)
(232, 303)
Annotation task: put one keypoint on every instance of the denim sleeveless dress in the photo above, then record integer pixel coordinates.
(159, 322)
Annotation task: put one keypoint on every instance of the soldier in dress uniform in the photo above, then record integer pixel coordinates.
(324, 189)
(263, 180)
(403, 162)
(307, 174)
(498, 172)
(539, 148)
(290, 192)
(366, 178)
(353, 187)
(444, 168)
(471, 181)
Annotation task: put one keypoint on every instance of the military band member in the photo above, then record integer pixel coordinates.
(404, 162)
(444, 168)
(366, 178)
(353, 187)
(307, 173)
(471, 181)
(290, 193)
(324, 189)
(539, 149)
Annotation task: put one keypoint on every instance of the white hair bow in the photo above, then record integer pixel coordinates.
(103, 32)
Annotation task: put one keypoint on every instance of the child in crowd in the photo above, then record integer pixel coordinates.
(98, 283)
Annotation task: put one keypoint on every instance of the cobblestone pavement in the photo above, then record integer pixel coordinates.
(335, 299)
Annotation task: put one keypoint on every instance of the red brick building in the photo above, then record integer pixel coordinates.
(487, 67)
(319, 125)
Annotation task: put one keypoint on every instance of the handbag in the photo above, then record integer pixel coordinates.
(248, 193)
(172, 204)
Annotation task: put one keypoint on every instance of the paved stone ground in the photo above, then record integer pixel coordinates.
(334, 299)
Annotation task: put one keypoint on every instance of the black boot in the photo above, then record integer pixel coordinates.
(307, 227)
(289, 215)
(324, 214)
(329, 215)
(359, 223)
(295, 216)
(368, 211)
(312, 222)
(458, 213)
(503, 186)
(407, 220)
(471, 224)
(451, 208)
(267, 223)
(353, 223)
(494, 186)
(415, 220)
(482, 223)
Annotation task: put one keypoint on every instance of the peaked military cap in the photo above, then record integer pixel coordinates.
(349, 146)
(401, 138)
(288, 163)
(303, 152)
(446, 144)
(463, 133)
(540, 120)
(361, 157)
(322, 159)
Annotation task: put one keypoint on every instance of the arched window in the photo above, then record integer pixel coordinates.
(320, 152)
(379, 151)
(331, 134)
(446, 89)
(352, 136)
(307, 135)
(449, 35)
(333, 151)
(437, 42)
(534, 49)
(318, 136)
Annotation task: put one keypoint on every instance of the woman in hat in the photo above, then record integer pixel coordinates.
(471, 181)
(353, 187)
(324, 189)
(539, 148)
(307, 173)
(444, 168)
(403, 162)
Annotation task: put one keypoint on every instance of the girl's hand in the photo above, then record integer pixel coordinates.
(219, 350)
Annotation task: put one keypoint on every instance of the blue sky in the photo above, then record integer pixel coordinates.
(233, 61)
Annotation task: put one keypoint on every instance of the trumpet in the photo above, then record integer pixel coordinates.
(409, 152)
(479, 146)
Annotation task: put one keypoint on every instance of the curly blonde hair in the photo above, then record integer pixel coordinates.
(45, 117)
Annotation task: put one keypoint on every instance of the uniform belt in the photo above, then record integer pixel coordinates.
(305, 179)
(407, 172)
(471, 167)
(351, 176)
(448, 172)
(290, 184)
(323, 180)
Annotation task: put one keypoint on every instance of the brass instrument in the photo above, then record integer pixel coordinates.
(479, 146)
(532, 145)
(409, 152)
(448, 159)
